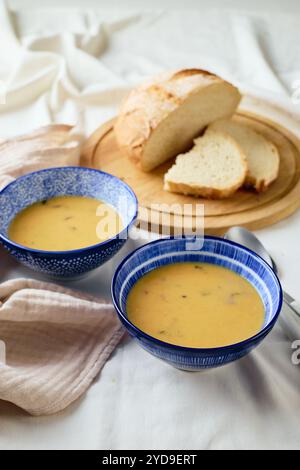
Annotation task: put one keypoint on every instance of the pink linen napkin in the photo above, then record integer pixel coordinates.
(48, 147)
(53, 341)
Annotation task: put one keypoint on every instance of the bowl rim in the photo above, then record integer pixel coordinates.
(79, 250)
(222, 349)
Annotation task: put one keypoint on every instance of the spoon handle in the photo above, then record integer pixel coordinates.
(292, 303)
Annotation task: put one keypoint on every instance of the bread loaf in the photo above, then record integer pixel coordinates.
(161, 118)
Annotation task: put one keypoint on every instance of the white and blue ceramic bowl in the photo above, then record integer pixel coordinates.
(216, 251)
(46, 184)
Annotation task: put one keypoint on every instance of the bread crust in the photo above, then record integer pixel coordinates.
(148, 105)
(207, 193)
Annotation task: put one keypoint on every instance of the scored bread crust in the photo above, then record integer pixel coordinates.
(210, 192)
(149, 104)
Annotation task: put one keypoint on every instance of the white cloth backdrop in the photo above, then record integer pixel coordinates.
(74, 67)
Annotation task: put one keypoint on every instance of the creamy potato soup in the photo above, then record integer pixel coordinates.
(196, 305)
(65, 223)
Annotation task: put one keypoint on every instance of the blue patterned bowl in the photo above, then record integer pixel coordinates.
(46, 184)
(216, 251)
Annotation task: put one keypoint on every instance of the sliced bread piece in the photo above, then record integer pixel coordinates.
(160, 119)
(215, 168)
(262, 155)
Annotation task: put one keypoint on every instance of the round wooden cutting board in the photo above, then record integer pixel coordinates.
(169, 212)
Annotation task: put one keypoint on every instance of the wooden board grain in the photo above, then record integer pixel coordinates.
(245, 208)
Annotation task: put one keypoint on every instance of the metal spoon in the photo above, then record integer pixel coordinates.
(248, 239)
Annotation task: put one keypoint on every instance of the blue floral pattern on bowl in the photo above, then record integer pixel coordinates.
(216, 251)
(46, 184)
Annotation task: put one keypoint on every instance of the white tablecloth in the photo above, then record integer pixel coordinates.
(75, 66)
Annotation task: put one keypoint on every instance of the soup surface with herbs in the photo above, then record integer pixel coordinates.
(195, 305)
(65, 223)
